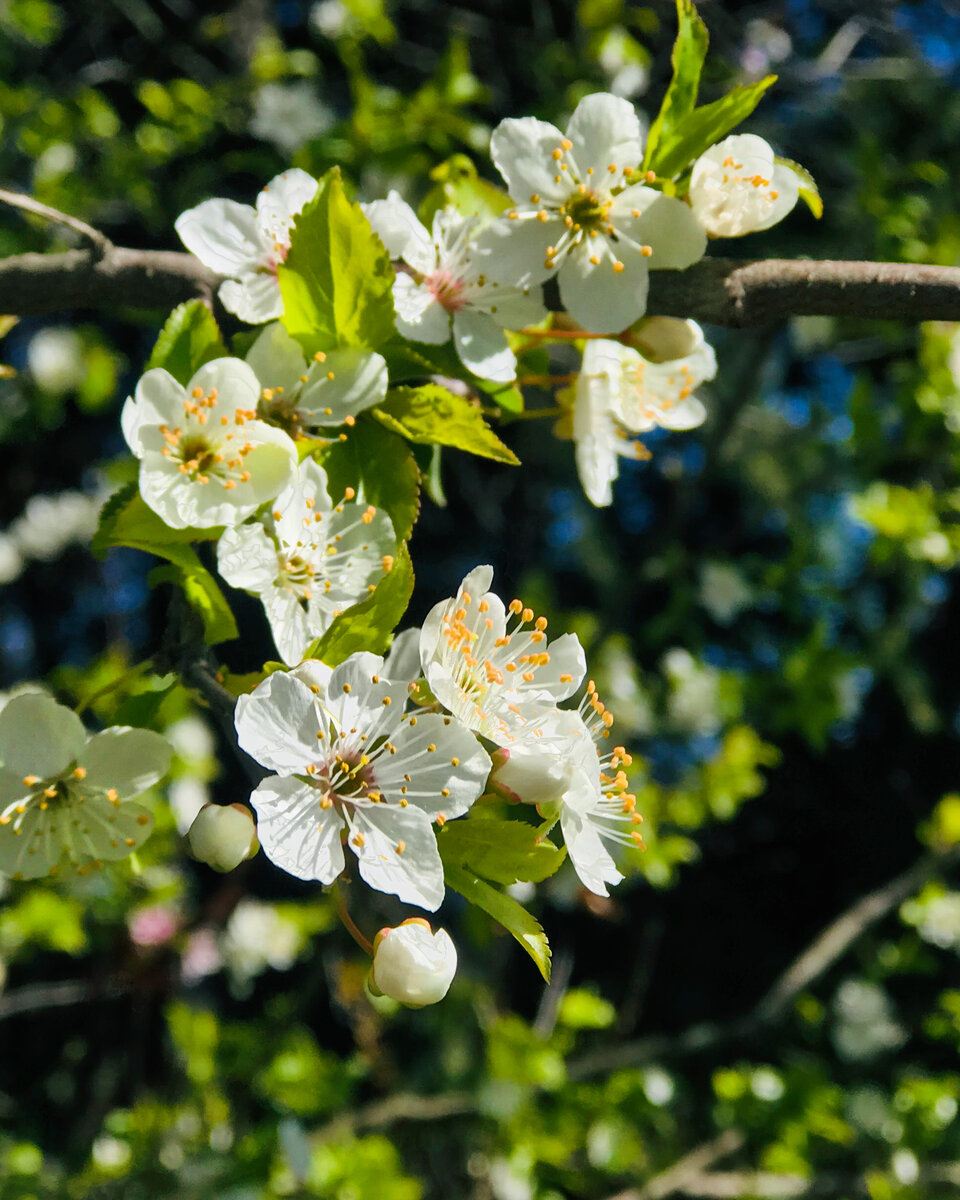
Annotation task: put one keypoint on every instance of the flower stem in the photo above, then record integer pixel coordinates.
(545, 380)
(349, 924)
(562, 335)
(126, 677)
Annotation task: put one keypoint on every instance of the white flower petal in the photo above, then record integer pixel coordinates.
(513, 308)
(38, 736)
(398, 853)
(276, 359)
(513, 252)
(420, 317)
(687, 414)
(359, 382)
(290, 623)
(281, 200)
(521, 149)
(601, 300)
(254, 296)
(247, 558)
(296, 833)
(605, 131)
(482, 346)
(402, 661)
(234, 380)
(277, 724)
(590, 857)
(457, 765)
(158, 398)
(224, 235)
(673, 233)
(128, 760)
(401, 231)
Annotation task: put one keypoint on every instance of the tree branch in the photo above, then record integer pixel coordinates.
(99, 241)
(719, 291)
(32, 284)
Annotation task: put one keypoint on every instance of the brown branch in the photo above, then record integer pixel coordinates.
(823, 953)
(675, 1178)
(719, 291)
(41, 997)
(31, 284)
(99, 241)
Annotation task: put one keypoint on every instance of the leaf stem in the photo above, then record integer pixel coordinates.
(126, 677)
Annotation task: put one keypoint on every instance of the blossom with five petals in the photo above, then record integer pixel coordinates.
(576, 212)
(619, 393)
(63, 794)
(247, 244)
(490, 664)
(453, 280)
(204, 457)
(349, 761)
(737, 187)
(309, 560)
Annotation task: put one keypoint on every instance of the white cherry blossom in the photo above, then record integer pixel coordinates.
(351, 764)
(491, 664)
(620, 393)
(304, 399)
(559, 763)
(413, 964)
(204, 457)
(64, 795)
(454, 282)
(247, 244)
(737, 187)
(575, 212)
(223, 836)
(309, 559)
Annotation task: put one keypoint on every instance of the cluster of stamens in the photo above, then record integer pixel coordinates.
(757, 181)
(201, 456)
(618, 806)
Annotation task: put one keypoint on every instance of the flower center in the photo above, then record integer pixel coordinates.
(588, 209)
(197, 455)
(280, 409)
(446, 289)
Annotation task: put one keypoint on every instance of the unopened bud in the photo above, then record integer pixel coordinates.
(663, 339)
(524, 773)
(223, 836)
(413, 964)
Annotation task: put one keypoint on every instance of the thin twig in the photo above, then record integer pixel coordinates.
(41, 997)
(686, 1169)
(99, 241)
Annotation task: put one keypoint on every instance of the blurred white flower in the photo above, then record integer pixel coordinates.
(331, 18)
(11, 561)
(257, 936)
(289, 114)
(50, 523)
(55, 359)
(192, 739)
(724, 592)
(864, 1023)
(186, 797)
(693, 704)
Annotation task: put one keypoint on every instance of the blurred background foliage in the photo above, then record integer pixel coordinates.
(768, 609)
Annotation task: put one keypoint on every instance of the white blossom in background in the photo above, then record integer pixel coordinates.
(257, 937)
(349, 760)
(309, 560)
(864, 1022)
(247, 244)
(576, 213)
(560, 764)
(289, 114)
(223, 836)
(51, 523)
(490, 664)
(55, 359)
(736, 187)
(11, 560)
(724, 592)
(454, 284)
(412, 964)
(302, 399)
(62, 795)
(620, 393)
(694, 700)
(205, 459)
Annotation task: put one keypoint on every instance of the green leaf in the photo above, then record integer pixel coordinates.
(457, 185)
(498, 849)
(126, 520)
(368, 625)
(809, 192)
(433, 415)
(689, 53)
(336, 281)
(506, 911)
(381, 467)
(190, 338)
(202, 594)
(706, 126)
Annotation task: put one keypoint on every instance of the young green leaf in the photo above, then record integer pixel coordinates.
(190, 338)
(125, 520)
(457, 185)
(368, 625)
(506, 911)
(433, 415)
(705, 126)
(689, 53)
(336, 281)
(809, 192)
(501, 850)
(381, 467)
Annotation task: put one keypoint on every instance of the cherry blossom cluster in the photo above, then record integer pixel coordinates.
(376, 752)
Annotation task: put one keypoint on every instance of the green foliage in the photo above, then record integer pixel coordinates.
(42, 919)
(498, 849)
(189, 338)
(303, 1079)
(505, 910)
(432, 414)
(382, 469)
(809, 192)
(336, 280)
(369, 624)
(582, 1008)
(457, 185)
(687, 59)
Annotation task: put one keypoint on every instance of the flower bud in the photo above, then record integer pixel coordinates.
(526, 774)
(223, 836)
(413, 964)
